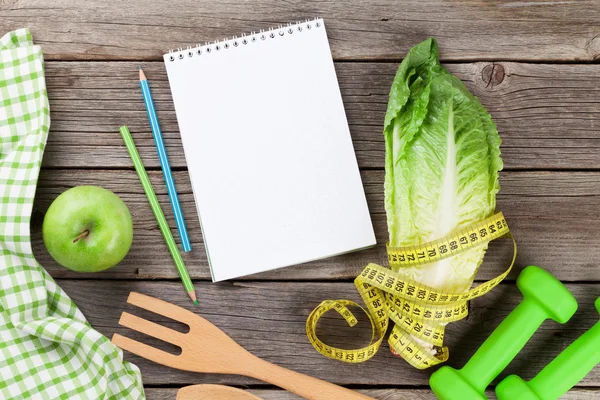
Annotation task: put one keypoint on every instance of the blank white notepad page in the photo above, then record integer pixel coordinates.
(269, 152)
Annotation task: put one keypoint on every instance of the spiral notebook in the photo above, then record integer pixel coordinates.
(268, 150)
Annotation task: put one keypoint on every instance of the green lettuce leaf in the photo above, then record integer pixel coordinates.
(442, 163)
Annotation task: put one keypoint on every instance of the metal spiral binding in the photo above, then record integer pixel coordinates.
(245, 40)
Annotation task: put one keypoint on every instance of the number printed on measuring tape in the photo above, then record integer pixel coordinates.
(473, 236)
(419, 312)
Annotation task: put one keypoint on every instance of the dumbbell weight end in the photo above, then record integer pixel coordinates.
(558, 377)
(470, 382)
(448, 383)
(543, 297)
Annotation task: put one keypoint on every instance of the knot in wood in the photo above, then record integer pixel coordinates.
(492, 75)
(593, 47)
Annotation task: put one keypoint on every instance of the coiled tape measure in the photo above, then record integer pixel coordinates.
(419, 312)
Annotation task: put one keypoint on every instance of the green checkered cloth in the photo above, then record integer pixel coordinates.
(47, 348)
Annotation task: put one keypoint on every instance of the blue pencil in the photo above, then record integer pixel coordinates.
(164, 162)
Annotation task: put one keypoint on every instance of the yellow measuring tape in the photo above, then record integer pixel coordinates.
(419, 312)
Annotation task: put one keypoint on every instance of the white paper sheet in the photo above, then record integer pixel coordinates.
(269, 152)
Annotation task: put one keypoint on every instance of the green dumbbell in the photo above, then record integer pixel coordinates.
(543, 297)
(568, 368)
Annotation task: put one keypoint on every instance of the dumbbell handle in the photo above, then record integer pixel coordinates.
(504, 344)
(569, 367)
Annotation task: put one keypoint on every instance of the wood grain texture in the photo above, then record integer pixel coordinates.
(548, 115)
(553, 215)
(381, 394)
(268, 319)
(467, 30)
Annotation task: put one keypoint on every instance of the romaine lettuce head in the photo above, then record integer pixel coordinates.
(442, 163)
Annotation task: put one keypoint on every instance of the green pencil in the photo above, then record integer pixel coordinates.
(160, 217)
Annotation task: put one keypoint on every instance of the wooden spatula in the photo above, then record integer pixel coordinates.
(205, 348)
(214, 392)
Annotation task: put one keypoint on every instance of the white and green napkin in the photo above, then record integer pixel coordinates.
(47, 348)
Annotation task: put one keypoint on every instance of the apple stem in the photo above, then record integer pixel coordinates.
(81, 236)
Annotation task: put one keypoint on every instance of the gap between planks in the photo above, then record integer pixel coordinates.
(357, 29)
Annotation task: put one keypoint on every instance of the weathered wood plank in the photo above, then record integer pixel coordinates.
(467, 30)
(548, 115)
(553, 215)
(268, 318)
(380, 394)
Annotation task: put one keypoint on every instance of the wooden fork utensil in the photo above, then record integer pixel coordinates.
(214, 392)
(205, 348)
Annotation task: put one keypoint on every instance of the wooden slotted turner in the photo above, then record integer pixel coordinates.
(205, 348)
(214, 392)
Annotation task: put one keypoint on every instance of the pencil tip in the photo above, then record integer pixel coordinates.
(192, 295)
(140, 67)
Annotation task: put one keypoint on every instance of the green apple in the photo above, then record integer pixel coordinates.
(88, 229)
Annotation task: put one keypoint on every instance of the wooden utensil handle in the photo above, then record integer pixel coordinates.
(303, 385)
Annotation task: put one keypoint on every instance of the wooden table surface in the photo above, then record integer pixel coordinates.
(532, 63)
